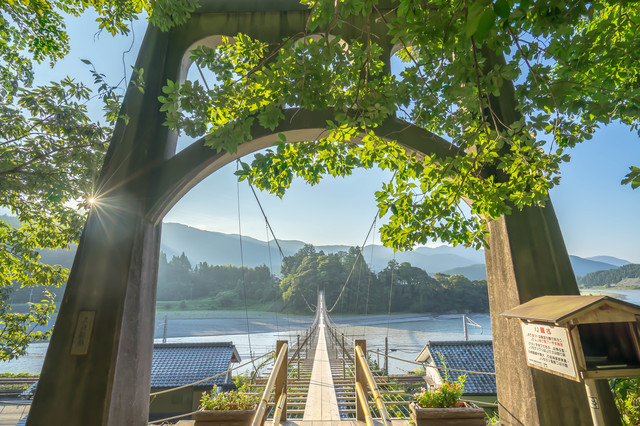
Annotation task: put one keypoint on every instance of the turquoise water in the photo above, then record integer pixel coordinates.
(407, 333)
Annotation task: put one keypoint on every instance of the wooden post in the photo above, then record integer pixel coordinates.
(464, 328)
(164, 331)
(298, 347)
(594, 402)
(386, 356)
(361, 378)
(344, 374)
(281, 375)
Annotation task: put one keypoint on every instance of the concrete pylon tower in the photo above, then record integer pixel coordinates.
(97, 368)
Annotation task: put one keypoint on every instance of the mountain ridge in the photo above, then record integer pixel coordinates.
(443, 259)
(224, 249)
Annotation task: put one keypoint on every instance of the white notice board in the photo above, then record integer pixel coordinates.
(548, 348)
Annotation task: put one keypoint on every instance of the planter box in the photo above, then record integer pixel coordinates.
(224, 417)
(470, 415)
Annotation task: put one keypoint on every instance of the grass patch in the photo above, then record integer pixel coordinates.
(12, 375)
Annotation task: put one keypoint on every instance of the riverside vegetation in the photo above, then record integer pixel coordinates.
(183, 286)
(626, 276)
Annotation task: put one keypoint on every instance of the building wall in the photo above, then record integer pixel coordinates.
(176, 402)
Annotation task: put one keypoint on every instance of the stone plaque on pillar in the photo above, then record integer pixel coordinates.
(82, 334)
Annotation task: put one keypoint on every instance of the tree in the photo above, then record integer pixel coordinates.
(512, 85)
(50, 149)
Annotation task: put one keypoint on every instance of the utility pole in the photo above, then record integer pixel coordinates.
(164, 331)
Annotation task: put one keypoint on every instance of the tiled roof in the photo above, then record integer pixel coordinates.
(178, 364)
(467, 355)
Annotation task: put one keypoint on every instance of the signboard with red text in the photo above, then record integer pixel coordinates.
(548, 348)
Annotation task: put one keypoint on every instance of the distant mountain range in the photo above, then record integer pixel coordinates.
(217, 248)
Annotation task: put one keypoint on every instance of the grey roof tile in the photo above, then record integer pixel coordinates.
(178, 364)
(467, 355)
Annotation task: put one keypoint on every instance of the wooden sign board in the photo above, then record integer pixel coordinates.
(548, 348)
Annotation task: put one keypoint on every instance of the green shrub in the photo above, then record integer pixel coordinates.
(445, 396)
(232, 400)
(627, 396)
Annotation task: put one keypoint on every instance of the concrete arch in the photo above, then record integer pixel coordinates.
(189, 167)
(98, 365)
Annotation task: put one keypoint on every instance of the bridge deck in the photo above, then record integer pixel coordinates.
(322, 404)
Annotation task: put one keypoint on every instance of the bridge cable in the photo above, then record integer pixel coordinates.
(359, 253)
(266, 220)
(393, 267)
(366, 306)
(354, 263)
(244, 284)
(271, 275)
(255, 195)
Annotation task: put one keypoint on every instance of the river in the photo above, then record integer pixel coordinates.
(407, 333)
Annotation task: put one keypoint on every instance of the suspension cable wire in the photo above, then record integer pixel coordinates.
(204, 80)
(354, 264)
(244, 284)
(351, 341)
(212, 377)
(359, 280)
(271, 275)
(393, 267)
(371, 351)
(366, 306)
(282, 256)
(360, 252)
(305, 300)
(266, 220)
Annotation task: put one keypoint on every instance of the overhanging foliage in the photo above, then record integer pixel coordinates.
(511, 84)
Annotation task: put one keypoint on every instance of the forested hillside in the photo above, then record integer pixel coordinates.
(306, 272)
(610, 277)
(222, 284)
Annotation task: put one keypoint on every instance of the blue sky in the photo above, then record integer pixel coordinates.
(597, 215)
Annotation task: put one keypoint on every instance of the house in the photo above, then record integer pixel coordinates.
(462, 355)
(181, 364)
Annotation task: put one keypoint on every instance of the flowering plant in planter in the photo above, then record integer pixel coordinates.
(232, 400)
(446, 395)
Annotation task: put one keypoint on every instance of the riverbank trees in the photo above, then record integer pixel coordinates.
(345, 277)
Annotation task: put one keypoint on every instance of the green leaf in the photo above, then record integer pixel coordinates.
(487, 21)
(501, 8)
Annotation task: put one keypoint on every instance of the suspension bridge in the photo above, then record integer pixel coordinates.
(325, 378)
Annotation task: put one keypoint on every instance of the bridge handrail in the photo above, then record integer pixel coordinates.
(333, 328)
(375, 392)
(312, 329)
(277, 367)
(360, 395)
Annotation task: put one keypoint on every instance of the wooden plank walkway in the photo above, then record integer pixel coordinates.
(322, 404)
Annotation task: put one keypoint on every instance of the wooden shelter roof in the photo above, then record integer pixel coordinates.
(563, 309)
